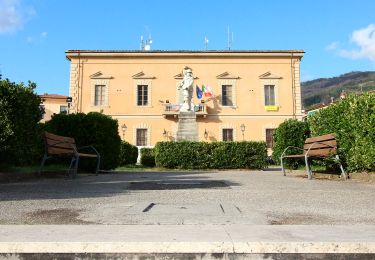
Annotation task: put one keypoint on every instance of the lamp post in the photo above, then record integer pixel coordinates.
(69, 101)
(243, 127)
(123, 128)
(165, 133)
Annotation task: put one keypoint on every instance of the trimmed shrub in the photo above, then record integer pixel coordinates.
(19, 117)
(93, 128)
(128, 153)
(352, 120)
(148, 157)
(290, 133)
(217, 155)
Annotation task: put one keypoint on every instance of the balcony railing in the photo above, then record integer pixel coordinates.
(174, 109)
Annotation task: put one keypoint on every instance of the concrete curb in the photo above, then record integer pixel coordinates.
(209, 239)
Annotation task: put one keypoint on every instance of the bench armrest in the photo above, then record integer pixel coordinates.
(282, 155)
(89, 146)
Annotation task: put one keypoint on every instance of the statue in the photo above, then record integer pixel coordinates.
(187, 86)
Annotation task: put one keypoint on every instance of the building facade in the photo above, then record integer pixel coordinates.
(53, 104)
(253, 91)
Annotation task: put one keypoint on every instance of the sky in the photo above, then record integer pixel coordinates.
(338, 36)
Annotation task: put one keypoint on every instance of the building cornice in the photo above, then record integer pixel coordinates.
(198, 54)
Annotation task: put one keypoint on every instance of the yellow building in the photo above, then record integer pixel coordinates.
(254, 91)
(53, 104)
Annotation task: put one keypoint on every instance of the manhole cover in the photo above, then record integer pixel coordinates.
(150, 185)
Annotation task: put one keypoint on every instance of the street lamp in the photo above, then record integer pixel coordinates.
(123, 128)
(243, 127)
(165, 133)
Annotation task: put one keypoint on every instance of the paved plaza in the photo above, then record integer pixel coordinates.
(188, 198)
(195, 215)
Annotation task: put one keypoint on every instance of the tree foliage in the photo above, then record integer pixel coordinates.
(93, 128)
(290, 133)
(353, 122)
(19, 117)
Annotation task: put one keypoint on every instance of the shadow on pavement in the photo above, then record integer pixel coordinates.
(107, 185)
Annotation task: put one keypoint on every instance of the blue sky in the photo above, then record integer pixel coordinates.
(338, 36)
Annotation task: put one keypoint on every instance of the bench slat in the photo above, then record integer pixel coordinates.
(57, 138)
(69, 146)
(323, 144)
(64, 152)
(322, 152)
(321, 138)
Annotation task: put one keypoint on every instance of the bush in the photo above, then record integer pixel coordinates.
(352, 120)
(19, 117)
(290, 133)
(217, 155)
(128, 154)
(148, 157)
(93, 128)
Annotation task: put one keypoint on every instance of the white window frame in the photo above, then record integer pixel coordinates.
(142, 126)
(99, 82)
(228, 126)
(228, 82)
(143, 82)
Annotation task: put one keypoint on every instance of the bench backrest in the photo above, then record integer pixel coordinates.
(324, 145)
(59, 145)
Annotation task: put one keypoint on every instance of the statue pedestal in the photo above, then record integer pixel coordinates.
(187, 127)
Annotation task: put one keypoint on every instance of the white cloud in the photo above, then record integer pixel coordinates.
(365, 41)
(13, 15)
(332, 46)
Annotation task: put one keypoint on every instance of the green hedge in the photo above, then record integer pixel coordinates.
(217, 155)
(353, 122)
(19, 117)
(290, 133)
(128, 154)
(148, 157)
(93, 128)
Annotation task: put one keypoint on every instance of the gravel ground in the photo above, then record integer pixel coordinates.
(224, 197)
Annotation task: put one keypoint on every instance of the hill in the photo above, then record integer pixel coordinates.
(321, 90)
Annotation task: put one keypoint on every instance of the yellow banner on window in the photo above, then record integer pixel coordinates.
(272, 108)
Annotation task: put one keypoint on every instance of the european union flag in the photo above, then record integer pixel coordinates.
(199, 92)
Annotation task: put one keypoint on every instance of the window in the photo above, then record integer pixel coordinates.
(142, 95)
(141, 137)
(269, 95)
(226, 95)
(269, 138)
(42, 110)
(99, 95)
(63, 109)
(228, 134)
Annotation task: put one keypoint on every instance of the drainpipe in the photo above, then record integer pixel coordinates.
(293, 85)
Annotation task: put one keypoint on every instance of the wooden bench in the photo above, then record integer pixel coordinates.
(316, 147)
(61, 146)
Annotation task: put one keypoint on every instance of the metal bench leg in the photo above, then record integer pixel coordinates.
(282, 166)
(76, 167)
(343, 173)
(71, 165)
(308, 170)
(97, 166)
(45, 157)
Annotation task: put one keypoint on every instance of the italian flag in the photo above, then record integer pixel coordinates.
(207, 91)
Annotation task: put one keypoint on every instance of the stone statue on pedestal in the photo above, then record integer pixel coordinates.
(187, 86)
